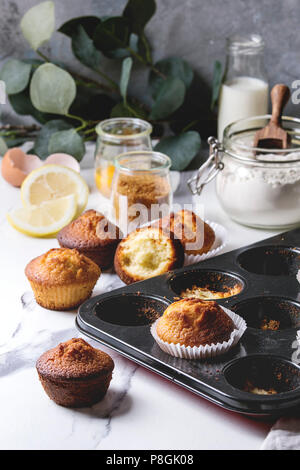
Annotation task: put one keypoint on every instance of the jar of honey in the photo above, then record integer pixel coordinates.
(116, 136)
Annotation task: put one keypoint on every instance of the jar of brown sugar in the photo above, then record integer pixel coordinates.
(141, 189)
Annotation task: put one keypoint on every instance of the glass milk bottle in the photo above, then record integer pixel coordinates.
(244, 91)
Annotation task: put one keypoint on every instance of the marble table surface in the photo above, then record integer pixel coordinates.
(141, 410)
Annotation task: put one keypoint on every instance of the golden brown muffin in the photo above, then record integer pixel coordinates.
(62, 279)
(75, 374)
(93, 236)
(196, 235)
(145, 253)
(193, 322)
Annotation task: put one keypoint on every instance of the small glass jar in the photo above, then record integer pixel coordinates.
(141, 189)
(116, 136)
(244, 91)
(255, 187)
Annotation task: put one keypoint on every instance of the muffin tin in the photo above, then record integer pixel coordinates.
(264, 359)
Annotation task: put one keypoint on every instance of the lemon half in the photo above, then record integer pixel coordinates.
(50, 182)
(46, 219)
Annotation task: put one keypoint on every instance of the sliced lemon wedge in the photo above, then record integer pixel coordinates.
(46, 219)
(50, 182)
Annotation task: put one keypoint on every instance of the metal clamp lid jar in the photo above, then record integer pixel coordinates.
(260, 190)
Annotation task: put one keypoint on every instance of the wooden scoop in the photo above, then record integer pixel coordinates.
(273, 136)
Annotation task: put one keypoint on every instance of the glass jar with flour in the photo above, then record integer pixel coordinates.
(256, 189)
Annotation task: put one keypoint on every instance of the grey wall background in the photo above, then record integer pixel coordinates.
(193, 29)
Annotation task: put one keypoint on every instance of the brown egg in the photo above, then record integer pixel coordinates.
(16, 165)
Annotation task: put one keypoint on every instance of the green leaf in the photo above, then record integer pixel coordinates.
(67, 142)
(111, 34)
(52, 90)
(3, 147)
(173, 67)
(42, 141)
(38, 24)
(169, 98)
(84, 49)
(181, 149)
(216, 85)
(138, 13)
(125, 110)
(88, 23)
(125, 76)
(15, 74)
(91, 105)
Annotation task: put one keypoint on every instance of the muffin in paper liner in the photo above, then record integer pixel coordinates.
(207, 351)
(221, 238)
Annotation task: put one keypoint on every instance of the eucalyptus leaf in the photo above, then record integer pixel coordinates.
(173, 67)
(112, 34)
(138, 13)
(217, 82)
(67, 142)
(42, 141)
(52, 90)
(15, 74)
(169, 98)
(125, 110)
(84, 49)
(125, 76)
(91, 105)
(38, 24)
(3, 147)
(181, 149)
(22, 105)
(88, 23)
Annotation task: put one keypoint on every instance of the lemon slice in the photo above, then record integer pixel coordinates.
(50, 182)
(46, 219)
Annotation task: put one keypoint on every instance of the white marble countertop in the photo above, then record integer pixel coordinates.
(141, 410)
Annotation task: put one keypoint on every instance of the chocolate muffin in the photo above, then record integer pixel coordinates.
(93, 236)
(147, 252)
(74, 374)
(193, 322)
(196, 235)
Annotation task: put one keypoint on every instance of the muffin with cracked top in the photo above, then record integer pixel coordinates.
(193, 322)
(62, 279)
(196, 235)
(93, 236)
(74, 374)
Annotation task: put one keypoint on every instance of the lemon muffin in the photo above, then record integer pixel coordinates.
(74, 374)
(93, 236)
(62, 279)
(196, 235)
(145, 253)
(193, 322)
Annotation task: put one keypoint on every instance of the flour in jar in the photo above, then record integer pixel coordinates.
(263, 191)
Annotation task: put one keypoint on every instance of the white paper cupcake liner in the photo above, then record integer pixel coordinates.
(221, 239)
(298, 276)
(207, 351)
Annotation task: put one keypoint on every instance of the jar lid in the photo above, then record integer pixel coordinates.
(239, 136)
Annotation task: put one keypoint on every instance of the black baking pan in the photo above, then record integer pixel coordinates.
(266, 359)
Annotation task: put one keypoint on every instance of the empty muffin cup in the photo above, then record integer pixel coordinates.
(206, 285)
(130, 309)
(269, 313)
(271, 261)
(263, 375)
